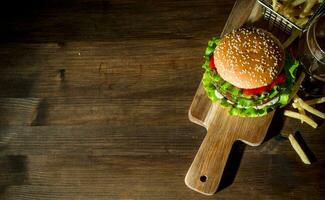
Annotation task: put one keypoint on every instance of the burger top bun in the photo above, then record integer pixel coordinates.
(249, 58)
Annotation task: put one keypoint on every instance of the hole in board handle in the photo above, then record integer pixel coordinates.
(203, 178)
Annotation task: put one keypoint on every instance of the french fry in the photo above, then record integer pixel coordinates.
(320, 78)
(297, 11)
(300, 109)
(274, 5)
(307, 9)
(299, 150)
(296, 105)
(302, 21)
(294, 34)
(302, 117)
(309, 108)
(315, 101)
(295, 87)
(297, 2)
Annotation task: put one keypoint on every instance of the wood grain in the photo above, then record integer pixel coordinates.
(94, 97)
(101, 69)
(87, 110)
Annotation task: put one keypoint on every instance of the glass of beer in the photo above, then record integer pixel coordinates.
(312, 56)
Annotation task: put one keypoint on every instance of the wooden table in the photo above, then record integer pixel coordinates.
(94, 98)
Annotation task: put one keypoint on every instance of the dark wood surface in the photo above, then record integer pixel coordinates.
(94, 97)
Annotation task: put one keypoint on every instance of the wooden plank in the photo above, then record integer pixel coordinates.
(119, 177)
(19, 111)
(133, 140)
(83, 110)
(101, 70)
(94, 20)
(162, 139)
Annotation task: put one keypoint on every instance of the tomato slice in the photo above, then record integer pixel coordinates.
(279, 80)
(211, 63)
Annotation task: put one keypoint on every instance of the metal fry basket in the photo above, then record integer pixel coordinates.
(281, 21)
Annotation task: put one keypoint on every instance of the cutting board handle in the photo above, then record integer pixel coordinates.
(207, 168)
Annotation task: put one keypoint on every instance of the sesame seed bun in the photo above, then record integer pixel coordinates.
(249, 58)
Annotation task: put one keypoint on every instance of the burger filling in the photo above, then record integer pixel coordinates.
(247, 102)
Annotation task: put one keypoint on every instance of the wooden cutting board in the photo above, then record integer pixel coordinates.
(206, 170)
(223, 130)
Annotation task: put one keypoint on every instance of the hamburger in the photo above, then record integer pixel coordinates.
(249, 72)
